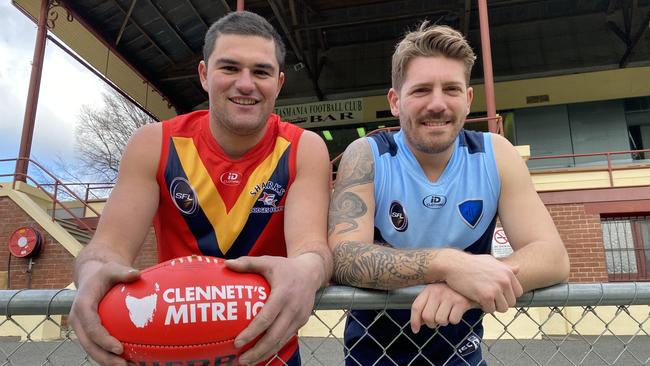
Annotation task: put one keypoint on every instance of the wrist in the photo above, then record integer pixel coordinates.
(315, 268)
(445, 262)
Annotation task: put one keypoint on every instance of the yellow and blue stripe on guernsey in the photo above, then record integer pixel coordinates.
(221, 231)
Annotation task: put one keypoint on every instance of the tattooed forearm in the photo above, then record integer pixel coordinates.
(356, 169)
(374, 266)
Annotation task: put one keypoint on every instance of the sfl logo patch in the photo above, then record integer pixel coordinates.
(398, 216)
(183, 196)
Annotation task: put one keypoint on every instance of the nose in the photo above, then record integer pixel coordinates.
(436, 103)
(244, 82)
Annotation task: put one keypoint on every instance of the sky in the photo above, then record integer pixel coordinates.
(66, 85)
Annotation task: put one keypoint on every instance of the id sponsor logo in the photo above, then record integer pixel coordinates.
(230, 178)
(434, 201)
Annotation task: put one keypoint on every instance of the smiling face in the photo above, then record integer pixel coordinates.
(432, 103)
(243, 80)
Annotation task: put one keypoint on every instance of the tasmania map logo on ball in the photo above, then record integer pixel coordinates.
(186, 311)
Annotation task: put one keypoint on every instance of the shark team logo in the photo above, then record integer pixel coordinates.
(268, 199)
(270, 193)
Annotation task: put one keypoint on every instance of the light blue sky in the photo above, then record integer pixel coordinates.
(65, 87)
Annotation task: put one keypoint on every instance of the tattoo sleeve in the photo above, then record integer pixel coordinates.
(346, 207)
(380, 267)
(367, 264)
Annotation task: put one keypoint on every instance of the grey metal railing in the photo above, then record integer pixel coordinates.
(567, 324)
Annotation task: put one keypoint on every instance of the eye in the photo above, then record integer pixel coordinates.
(454, 89)
(229, 68)
(262, 73)
(420, 91)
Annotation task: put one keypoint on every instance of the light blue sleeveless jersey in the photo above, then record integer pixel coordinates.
(455, 211)
(458, 210)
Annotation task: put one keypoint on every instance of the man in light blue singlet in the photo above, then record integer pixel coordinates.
(419, 207)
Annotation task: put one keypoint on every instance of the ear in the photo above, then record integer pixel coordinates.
(470, 98)
(203, 75)
(280, 83)
(393, 100)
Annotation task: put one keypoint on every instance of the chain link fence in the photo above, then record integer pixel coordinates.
(568, 324)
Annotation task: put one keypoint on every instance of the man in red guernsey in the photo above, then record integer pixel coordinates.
(232, 182)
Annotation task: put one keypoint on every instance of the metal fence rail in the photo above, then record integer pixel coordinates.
(568, 324)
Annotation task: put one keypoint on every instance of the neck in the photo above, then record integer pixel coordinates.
(235, 145)
(433, 164)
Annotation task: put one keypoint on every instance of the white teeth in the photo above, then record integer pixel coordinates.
(435, 123)
(244, 101)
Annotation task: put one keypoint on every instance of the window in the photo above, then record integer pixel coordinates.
(627, 248)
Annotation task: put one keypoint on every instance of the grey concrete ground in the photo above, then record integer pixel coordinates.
(327, 351)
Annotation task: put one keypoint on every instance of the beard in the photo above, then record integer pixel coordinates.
(430, 143)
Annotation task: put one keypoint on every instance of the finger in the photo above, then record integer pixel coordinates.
(501, 303)
(100, 336)
(261, 322)
(430, 310)
(96, 352)
(518, 290)
(457, 312)
(248, 264)
(488, 305)
(120, 273)
(283, 328)
(442, 313)
(416, 311)
(509, 295)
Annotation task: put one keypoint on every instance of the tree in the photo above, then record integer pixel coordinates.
(102, 134)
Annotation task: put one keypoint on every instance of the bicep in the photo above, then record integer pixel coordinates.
(522, 213)
(352, 207)
(305, 219)
(127, 216)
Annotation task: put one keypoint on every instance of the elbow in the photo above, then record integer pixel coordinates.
(564, 268)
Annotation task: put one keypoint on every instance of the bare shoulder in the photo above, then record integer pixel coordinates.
(149, 136)
(506, 156)
(501, 144)
(360, 146)
(312, 149)
(143, 149)
(357, 164)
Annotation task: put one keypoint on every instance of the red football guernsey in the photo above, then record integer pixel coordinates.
(216, 206)
(213, 205)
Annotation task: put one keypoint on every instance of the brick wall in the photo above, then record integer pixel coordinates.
(52, 269)
(583, 238)
(148, 255)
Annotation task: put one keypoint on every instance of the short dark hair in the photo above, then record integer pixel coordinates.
(243, 23)
(430, 41)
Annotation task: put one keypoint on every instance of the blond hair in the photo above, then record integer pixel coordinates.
(430, 41)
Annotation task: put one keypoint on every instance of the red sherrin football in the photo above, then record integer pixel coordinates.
(183, 310)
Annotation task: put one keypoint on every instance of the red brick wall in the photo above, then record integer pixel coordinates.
(53, 267)
(148, 255)
(583, 238)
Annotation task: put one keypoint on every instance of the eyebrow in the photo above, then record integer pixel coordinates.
(259, 65)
